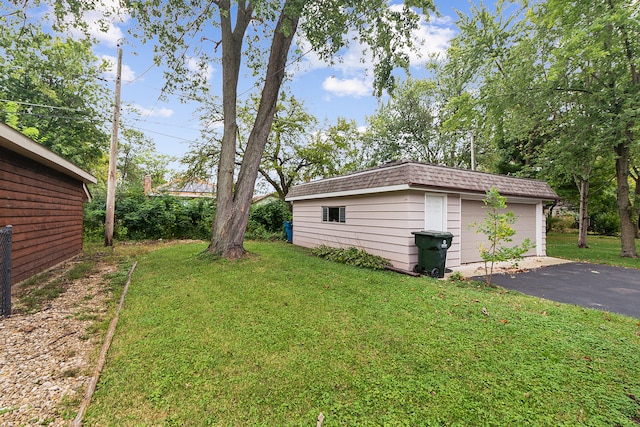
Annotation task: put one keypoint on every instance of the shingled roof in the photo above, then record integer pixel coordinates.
(410, 174)
(187, 189)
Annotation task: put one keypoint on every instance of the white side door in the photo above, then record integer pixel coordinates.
(435, 212)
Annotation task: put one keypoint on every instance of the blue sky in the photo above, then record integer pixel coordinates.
(344, 90)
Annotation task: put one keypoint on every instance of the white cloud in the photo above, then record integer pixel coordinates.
(128, 75)
(154, 112)
(347, 87)
(354, 68)
(194, 65)
(214, 125)
(433, 37)
(102, 22)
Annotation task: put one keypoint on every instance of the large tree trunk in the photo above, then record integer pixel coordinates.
(232, 210)
(623, 151)
(583, 221)
(232, 40)
(636, 203)
(635, 174)
(627, 225)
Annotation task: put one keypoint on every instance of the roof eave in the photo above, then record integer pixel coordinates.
(541, 196)
(21, 144)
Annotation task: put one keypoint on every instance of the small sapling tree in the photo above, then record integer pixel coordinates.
(497, 227)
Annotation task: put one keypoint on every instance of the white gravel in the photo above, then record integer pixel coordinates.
(47, 358)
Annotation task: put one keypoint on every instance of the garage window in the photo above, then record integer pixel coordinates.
(333, 214)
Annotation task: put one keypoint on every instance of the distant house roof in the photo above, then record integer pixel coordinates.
(187, 189)
(264, 198)
(15, 141)
(407, 174)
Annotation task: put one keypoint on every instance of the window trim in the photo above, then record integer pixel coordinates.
(342, 217)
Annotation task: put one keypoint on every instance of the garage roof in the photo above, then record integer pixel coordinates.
(406, 174)
(15, 141)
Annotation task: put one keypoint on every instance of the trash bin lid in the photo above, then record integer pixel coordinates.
(433, 233)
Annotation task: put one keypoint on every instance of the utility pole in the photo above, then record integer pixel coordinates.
(113, 160)
(473, 152)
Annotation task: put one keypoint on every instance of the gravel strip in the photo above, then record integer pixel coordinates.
(46, 358)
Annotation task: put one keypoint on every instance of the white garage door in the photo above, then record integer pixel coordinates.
(473, 211)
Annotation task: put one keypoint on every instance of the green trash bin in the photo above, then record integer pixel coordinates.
(432, 251)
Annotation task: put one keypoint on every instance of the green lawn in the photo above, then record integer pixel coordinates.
(601, 250)
(277, 338)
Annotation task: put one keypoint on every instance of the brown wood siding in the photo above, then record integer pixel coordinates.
(473, 211)
(45, 209)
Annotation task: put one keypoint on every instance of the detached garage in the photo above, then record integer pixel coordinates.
(41, 197)
(377, 209)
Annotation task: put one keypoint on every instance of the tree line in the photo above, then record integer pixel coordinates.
(536, 90)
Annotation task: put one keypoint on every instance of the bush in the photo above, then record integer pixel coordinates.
(561, 224)
(607, 223)
(257, 231)
(266, 221)
(139, 217)
(351, 256)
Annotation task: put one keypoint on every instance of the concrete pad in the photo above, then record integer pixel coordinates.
(526, 264)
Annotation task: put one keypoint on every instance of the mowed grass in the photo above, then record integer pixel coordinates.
(279, 337)
(601, 250)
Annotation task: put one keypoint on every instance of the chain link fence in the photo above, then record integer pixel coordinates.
(5, 270)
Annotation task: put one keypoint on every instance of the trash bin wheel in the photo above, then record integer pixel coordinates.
(416, 269)
(435, 272)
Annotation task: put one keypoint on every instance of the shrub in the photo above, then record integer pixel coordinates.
(607, 223)
(351, 256)
(257, 231)
(139, 217)
(266, 221)
(561, 224)
(270, 216)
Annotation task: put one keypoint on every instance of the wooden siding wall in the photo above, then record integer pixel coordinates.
(379, 223)
(45, 209)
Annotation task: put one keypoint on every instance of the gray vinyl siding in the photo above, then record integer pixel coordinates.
(380, 223)
(453, 226)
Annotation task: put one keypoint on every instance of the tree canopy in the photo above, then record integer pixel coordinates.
(259, 35)
(52, 85)
(557, 89)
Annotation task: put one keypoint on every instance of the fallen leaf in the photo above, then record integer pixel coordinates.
(484, 311)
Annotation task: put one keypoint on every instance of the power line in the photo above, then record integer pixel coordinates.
(85, 117)
(163, 134)
(52, 116)
(77, 110)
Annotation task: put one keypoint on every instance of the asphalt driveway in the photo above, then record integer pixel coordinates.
(603, 287)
